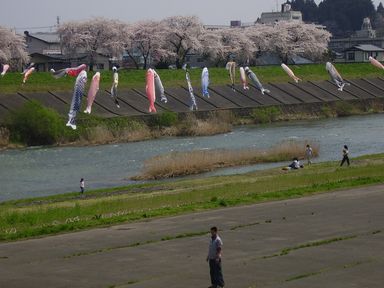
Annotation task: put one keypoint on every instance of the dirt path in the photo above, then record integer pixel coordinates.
(329, 240)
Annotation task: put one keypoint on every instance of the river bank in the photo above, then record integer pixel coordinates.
(28, 128)
(72, 212)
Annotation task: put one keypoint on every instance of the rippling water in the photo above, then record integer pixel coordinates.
(49, 171)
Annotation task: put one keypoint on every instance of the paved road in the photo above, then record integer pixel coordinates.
(133, 255)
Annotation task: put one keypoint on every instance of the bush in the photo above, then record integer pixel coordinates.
(344, 109)
(326, 111)
(35, 124)
(165, 119)
(4, 136)
(265, 115)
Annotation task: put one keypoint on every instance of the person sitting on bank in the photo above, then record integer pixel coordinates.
(295, 165)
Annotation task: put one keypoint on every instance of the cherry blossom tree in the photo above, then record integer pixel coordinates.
(146, 38)
(237, 44)
(213, 48)
(12, 47)
(183, 35)
(97, 35)
(293, 38)
(261, 36)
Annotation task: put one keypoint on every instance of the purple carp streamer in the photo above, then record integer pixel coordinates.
(78, 93)
(205, 82)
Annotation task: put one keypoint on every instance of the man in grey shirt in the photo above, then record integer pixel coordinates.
(214, 259)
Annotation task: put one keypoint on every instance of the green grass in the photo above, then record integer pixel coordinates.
(340, 267)
(43, 81)
(287, 251)
(72, 212)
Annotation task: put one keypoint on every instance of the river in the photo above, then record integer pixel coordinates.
(49, 171)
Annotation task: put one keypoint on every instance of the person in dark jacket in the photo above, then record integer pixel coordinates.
(345, 156)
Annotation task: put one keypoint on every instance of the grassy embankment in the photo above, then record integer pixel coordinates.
(38, 82)
(72, 212)
(194, 162)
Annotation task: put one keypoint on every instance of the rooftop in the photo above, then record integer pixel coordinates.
(366, 48)
(49, 37)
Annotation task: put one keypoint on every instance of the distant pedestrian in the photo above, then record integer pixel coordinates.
(214, 259)
(309, 154)
(345, 156)
(82, 185)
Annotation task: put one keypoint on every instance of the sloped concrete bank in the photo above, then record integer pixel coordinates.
(284, 102)
(134, 103)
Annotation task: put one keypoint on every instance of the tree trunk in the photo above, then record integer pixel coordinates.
(145, 63)
(91, 61)
(178, 63)
(134, 61)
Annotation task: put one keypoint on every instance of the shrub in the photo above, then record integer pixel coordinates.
(266, 115)
(165, 119)
(344, 109)
(326, 111)
(35, 124)
(4, 136)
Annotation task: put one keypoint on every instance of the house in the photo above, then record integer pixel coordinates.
(365, 36)
(46, 52)
(44, 43)
(361, 53)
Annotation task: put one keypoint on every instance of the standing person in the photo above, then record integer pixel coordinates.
(309, 154)
(345, 156)
(214, 259)
(82, 185)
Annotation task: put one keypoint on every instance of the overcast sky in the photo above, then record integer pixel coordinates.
(23, 14)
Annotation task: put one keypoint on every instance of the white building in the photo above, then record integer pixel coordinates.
(286, 14)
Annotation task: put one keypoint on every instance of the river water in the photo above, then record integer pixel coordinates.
(49, 171)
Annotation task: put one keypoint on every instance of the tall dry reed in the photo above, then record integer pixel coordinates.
(194, 162)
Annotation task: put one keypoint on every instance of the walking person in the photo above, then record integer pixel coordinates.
(345, 156)
(82, 185)
(309, 154)
(214, 259)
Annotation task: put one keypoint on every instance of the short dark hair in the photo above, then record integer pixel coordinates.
(346, 147)
(214, 228)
